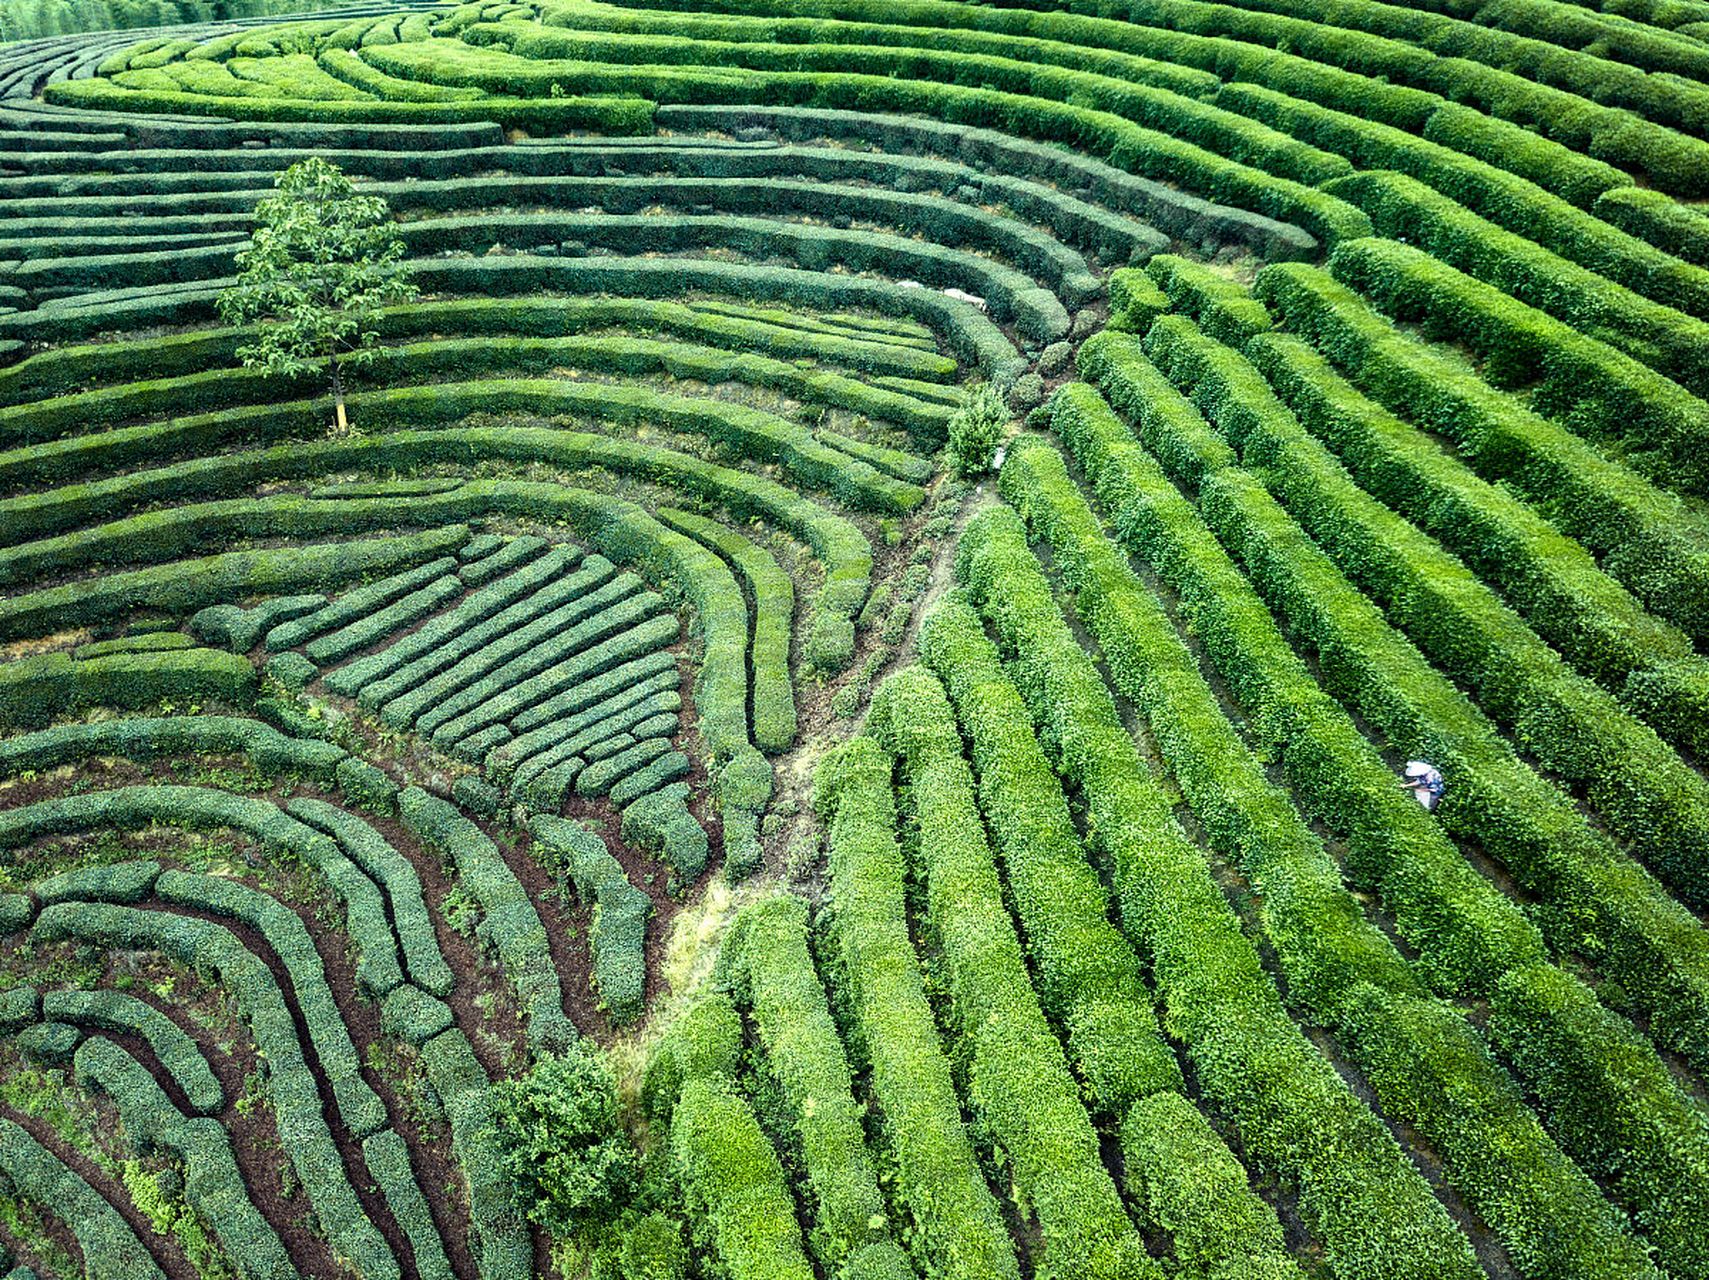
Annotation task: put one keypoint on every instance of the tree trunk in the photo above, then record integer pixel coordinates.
(341, 426)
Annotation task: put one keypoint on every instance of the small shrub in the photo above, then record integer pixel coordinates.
(976, 429)
(567, 1162)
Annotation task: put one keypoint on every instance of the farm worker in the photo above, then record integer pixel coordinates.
(1424, 780)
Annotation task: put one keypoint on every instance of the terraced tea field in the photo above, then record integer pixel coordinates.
(649, 802)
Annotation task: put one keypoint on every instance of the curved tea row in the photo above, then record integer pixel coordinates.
(352, 773)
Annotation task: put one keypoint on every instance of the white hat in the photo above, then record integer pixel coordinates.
(1418, 769)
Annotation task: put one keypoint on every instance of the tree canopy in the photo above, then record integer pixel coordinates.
(321, 265)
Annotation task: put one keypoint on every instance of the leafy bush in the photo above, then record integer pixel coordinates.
(568, 1161)
(977, 429)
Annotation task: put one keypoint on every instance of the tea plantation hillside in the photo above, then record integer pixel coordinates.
(842, 711)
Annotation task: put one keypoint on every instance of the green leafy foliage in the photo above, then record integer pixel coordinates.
(569, 1164)
(977, 428)
(321, 264)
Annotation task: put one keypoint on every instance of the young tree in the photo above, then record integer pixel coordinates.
(976, 429)
(320, 265)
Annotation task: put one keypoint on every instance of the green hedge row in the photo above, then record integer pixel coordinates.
(1355, 71)
(1035, 104)
(146, 642)
(203, 808)
(969, 332)
(126, 1015)
(1295, 1116)
(110, 1249)
(1644, 309)
(1467, 190)
(627, 533)
(128, 881)
(19, 1006)
(1620, 914)
(618, 933)
(34, 691)
(308, 1143)
(145, 361)
(941, 221)
(536, 672)
(404, 419)
(414, 1016)
(911, 181)
(501, 1244)
(1663, 99)
(48, 1044)
(1644, 538)
(765, 958)
(1552, 580)
(601, 113)
(632, 755)
(1670, 225)
(359, 1106)
(664, 771)
(730, 1176)
(357, 605)
(661, 824)
(509, 925)
(197, 585)
(1135, 301)
(956, 1225)
(397, 878)
(352, 70)
(228, 626)
(1642, 789)
(635, 702)
(1019, 1083)
(1615, 1104)
(1652, 424)
(602, 704)
(1191, 1185)
(154, 737)
(744, 788)
(1631, 37)
(1497, 801)
(1144, 93)
(1570, 98)
(1224, 308)
(387, 1157)
(555, 579)
(213, 1184)
(995, 153)
(194, 397)
(367, 631)
(840, 546)
(492, 555)
(1087, 973)
(1422, 1058)
(773, 595)
(704, 1042)
(893, 462)
(547, 790)
(1012, 294)
(1338, 68)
